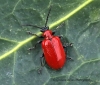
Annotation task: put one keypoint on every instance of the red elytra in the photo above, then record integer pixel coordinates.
(53, 50)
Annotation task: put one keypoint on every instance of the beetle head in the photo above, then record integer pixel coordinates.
(43, 29)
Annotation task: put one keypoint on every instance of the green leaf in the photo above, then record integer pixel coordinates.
(82, 27)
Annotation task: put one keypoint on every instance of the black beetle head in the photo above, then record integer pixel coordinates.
(43, 29)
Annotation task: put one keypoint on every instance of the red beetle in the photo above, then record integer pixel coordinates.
(53, 50)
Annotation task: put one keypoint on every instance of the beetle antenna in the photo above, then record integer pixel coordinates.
(32, 26)
(47, 17)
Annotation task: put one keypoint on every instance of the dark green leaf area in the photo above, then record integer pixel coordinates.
(6, 45)
(6, 73)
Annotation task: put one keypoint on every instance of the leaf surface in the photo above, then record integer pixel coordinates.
(82, 27)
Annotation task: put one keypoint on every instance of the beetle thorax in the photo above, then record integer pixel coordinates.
(47, 34)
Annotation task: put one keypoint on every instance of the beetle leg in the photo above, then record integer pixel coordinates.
(42, 60)
(67, 45)
(58, 27)
(69, 58)
(35, 45)
(53, 32)
(34, 34)
(60, 36)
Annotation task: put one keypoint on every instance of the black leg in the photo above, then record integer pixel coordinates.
(53, 32)
(35, 45)
(58, 28)
(68, 45)
(69, 58)
(60, 36)
(42, 60)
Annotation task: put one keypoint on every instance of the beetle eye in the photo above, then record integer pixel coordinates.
(42, 30)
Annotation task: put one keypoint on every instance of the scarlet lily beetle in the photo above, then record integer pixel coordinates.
(53, 50)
